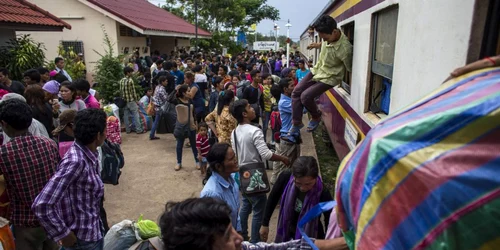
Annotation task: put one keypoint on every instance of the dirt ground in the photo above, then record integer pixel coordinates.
(148, 180)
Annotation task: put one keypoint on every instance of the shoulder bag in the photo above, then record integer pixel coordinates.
(253, 176)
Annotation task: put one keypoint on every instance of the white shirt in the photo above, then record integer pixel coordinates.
(58, 70)
(251, 145)
(36, 128)
(200, 78)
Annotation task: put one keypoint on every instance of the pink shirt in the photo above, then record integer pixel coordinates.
(91, 102)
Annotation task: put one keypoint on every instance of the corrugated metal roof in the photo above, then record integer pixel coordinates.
(147, 16)
(23, 12)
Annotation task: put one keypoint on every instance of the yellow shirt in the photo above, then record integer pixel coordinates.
(333, 59)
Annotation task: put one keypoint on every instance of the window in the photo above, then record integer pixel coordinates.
(75, 46)
(126, 31)
(491, 40)
(382, 63)
(348, 30)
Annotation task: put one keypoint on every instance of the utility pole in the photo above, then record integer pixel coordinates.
(288, 25)
(196, 24)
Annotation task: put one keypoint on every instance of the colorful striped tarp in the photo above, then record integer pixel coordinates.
(428, 177)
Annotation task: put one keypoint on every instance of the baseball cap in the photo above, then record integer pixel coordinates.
(65, 118)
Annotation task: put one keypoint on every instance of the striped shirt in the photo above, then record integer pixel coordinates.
(202, 144)
(289, 245)
(70, 202)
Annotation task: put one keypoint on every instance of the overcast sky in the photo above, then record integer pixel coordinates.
(300, 12)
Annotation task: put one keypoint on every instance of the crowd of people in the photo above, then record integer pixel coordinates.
(53, 128)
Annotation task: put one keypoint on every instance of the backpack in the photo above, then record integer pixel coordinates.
(112, 162)
(276, 123)
(240, 89)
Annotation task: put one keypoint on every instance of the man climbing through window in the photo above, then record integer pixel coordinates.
(334, 59)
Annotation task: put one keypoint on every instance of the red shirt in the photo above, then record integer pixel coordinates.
(202, 144)
(27, 163)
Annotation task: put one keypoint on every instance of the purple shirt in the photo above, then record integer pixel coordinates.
(91, 102)
(71, 199)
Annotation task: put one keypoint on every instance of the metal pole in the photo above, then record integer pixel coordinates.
(288, 44)
(196, 24)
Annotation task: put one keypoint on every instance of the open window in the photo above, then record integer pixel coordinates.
(348, 30)
(382, 63)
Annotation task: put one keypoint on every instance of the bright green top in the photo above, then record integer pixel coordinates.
(333, 58)
(268, 102)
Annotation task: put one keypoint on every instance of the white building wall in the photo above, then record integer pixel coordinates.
(85, 26)
(131, 43)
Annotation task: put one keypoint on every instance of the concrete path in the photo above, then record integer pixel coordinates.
(148, 180)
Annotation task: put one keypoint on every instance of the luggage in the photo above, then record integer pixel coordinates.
(112, 162)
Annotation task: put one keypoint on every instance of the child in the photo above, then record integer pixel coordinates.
(203, 146)
(147, 97)
(335, 57)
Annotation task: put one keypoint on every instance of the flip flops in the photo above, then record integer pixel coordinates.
(313, 125)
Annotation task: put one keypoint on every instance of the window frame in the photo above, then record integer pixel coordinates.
(378, 70)
(76, 45)
(347, 81)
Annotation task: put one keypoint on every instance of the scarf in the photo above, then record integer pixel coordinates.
(287, 209)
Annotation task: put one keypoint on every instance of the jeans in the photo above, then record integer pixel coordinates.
(303, 97)
(87, 245)
(155, 125)
(33, 238)
(132, 110)
(265, 125)
(257, 204)
(180, 145)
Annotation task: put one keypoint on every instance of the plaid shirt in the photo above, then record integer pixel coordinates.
(289, 245)
(27, 163)
(127, 89)
(70, 200)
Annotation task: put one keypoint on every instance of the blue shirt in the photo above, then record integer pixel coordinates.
(179, 77)
(218, 187)
(301, 74)
(285, 108)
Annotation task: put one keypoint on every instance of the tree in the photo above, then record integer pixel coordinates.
(21, 54)
(223, 17)
(74, 69)
(109, 71)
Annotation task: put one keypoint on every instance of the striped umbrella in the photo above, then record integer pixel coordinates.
(428, 177)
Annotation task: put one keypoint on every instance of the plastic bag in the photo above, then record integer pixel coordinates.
(6, 237)
(427, 176)
(120, 236)
(147, 228)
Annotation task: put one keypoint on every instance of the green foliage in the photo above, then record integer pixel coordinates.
(222, 18)
(75, 69)
(108, 71)
(21, 54)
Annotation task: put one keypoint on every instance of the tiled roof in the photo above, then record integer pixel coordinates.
(147, 16)
(24, 12)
